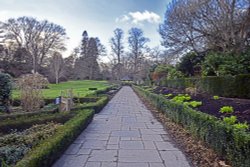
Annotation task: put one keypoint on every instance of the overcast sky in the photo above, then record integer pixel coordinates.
(98, 17)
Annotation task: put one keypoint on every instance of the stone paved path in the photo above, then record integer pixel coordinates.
(123, 134)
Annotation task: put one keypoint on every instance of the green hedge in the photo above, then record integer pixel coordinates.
(49, 109)
(227, 141)
(97, 106)
(227, 86)
(49, 150)
(25, 122)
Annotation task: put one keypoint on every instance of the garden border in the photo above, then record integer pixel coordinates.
(224, 139)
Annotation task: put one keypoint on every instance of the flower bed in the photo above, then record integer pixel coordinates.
(226, 140)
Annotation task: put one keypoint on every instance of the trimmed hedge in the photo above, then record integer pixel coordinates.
(97, 106)
(224, 139)
(227, 86)
(50, 149)
(49, 109)
(24, 122)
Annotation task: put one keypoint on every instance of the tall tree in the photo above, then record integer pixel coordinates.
(57, 66)
(86, 65)
(91, 59)
(15, 61)
(137, 44)
(117, 48)
(39, 38)
(70, 61)
(117, 43)
(84, 43)
(204, 25)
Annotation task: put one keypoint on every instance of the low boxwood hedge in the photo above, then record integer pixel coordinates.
(24, 122)
(97, 106)
(225, 139)
(48, 109)
(52, 148)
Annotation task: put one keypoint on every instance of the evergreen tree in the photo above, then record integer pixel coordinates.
(86, 66)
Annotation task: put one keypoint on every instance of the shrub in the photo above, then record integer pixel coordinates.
(216, 97)
(230, 120)
(5, 90)
(168, 95)
(227, 109)
(189, 62)
(15, 145)
(180, 98)
(31, 86)
(220, 64)
(241, 126)
(193, 104)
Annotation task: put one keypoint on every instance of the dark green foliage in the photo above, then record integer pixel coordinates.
(227, 86)
(15, 145)
(190, 63)
(92, 88)
(220, 64)
(225, 139)
(46, 152)
(5, 90)
(12, 154)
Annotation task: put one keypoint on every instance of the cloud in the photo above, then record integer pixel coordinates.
(140, 17)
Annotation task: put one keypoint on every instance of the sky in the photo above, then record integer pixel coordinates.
(98, 17)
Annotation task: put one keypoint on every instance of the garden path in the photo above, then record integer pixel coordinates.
(123, 134)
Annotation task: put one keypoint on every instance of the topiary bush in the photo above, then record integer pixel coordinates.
(5, 91)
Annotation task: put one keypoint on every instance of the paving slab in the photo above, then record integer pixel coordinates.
(124, 134)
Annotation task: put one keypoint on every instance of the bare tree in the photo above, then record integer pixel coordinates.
(39, 38)
(137, 44)
(117, 43)
(57, 66)
(203, 25)
(117, 49)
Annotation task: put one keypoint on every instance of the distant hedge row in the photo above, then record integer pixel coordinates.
(224, 139)
(227, 86)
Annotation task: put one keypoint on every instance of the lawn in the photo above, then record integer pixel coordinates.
(79, 88)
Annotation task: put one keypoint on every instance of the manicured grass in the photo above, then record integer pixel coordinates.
(79, 87)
